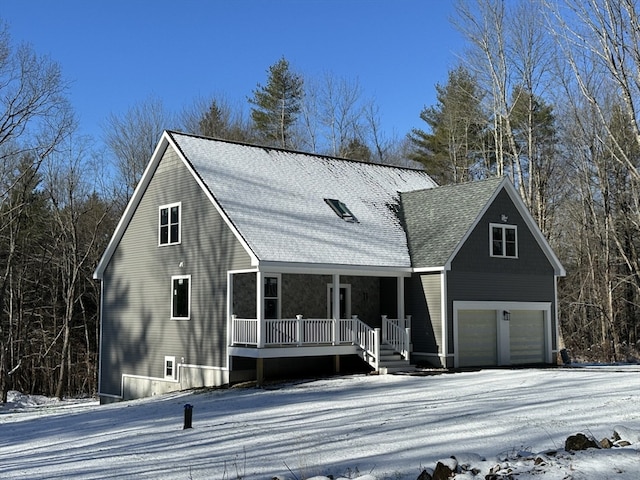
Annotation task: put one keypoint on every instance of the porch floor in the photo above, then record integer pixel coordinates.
(293, 351)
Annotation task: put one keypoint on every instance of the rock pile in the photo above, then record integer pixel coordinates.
(510, 465)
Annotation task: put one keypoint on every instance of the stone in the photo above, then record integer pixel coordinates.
(624, 433)
(579, 441)
(606, 443)
(444, 469)
(424, 475)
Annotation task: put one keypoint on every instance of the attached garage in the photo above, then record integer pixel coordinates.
(501, 333)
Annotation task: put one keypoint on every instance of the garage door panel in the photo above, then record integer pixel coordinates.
(477, 338)
(485, 337)
(526, 337)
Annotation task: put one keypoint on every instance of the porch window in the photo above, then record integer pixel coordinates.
(503, 240)
(181, 297)
(271, 297)
(169, 224)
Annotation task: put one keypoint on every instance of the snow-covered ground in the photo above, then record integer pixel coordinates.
(388, 427)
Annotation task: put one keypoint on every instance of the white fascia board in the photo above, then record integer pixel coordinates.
(132, 205)
(528, 219)
(558, 268)
(214, 202)
(330, 269)
(447, 265)
(430, 269)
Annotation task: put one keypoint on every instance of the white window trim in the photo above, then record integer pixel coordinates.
(347, 287)
(504, 250)
(178, 277)
(278, 277)
(173, 368)
(169, 206)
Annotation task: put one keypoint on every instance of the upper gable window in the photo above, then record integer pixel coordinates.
(341, 209)
(169, 224)
(503, 240)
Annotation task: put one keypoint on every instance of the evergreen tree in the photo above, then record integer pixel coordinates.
(219, 120)
(277, 104)
(452, 151)
(356, 149)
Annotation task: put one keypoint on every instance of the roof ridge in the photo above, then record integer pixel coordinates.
(297, 152)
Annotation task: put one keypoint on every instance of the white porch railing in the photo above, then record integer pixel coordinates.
(397, 333)
(319, 331)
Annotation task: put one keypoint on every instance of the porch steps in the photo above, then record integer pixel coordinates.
(391, 361)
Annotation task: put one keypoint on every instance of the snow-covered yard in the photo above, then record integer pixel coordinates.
(390, 426)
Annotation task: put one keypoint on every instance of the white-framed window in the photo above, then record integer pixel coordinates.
(181, 297)
(169, 219)
(272, 296)
(503, 240)
(170, 368)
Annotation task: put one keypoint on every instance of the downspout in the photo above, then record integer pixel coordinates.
(444, 316)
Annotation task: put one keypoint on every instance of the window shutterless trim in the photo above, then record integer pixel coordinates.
(174, 294)
(167, 225)
(503, 240)
(170, 368)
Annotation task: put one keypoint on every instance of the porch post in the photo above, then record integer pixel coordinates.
(336, 296)
(260, 307)
(400, 295)
(336, 306)
(230, 308)
(259, 371)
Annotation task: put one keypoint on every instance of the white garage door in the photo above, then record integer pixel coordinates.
(477, 338)
(526, 336)
(486, 338)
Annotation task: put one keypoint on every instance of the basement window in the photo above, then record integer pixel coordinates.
(170, 368)
(341, 210)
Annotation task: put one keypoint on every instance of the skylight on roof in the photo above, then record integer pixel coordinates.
(341, 210)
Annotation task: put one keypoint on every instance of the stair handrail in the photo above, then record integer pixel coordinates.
(397, 334)
(368, 339)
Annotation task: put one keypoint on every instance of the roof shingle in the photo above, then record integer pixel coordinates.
(275, 199)
(437, 219)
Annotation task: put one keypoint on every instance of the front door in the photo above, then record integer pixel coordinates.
(345, 301)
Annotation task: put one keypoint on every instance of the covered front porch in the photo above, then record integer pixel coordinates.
(289, 314)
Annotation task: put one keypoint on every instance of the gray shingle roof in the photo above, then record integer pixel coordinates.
(276, 201)
(437, 220)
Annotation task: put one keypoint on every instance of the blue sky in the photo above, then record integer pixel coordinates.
(120, 52)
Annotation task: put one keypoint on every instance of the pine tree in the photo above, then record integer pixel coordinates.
(452, 150)
(277, 104)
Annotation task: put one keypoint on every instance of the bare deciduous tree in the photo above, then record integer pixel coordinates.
(35, 117)
(132, 138)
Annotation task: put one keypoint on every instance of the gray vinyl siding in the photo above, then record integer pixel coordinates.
(137, 330)
(474, 254)
(424, 304)
(476, 276)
